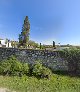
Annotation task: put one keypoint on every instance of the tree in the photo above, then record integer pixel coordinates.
(53, 44)
(33, 43)
(14, 43)
(24, 36)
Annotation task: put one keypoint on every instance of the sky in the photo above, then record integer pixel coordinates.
(50, 20)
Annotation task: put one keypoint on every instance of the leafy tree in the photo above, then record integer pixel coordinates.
(33, 43)
(14, 43)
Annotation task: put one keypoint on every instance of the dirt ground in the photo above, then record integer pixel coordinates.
(5, 90)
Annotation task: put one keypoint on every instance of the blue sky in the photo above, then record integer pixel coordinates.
(57, 20)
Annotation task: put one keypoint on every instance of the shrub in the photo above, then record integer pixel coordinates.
(5, 67)
(37, 69)
(41, 71)
(16, 66)
(11, 66)
(25, 68)
(46, 73)
(72, 56)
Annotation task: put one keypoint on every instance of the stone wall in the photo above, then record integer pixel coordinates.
(48, 58)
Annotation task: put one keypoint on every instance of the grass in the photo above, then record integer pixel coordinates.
(57, 83)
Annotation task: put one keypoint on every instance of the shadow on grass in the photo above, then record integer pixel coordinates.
(66, 73)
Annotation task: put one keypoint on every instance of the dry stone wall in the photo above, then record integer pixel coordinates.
(48, 58)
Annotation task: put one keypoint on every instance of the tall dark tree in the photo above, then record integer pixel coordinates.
(24, 36)
(53, 43)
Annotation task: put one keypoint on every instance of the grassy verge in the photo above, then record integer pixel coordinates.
(57, 83)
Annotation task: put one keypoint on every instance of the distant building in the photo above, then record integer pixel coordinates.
(5, 43)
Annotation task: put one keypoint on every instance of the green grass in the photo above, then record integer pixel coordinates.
(57, 83)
